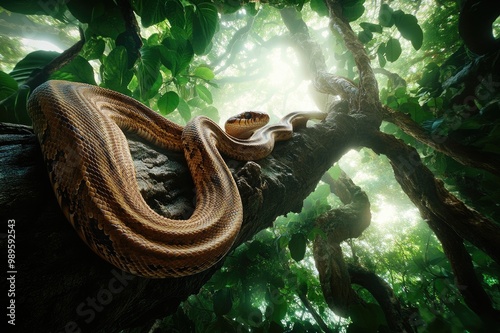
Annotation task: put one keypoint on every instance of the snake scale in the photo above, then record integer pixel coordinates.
(79, 128)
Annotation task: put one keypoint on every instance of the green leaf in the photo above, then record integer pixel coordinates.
(33, 7)
(87, 10)
(34, 61)
(400, 92)
(169, 59)
(438, 325)
(470, 320)
(93, 48)
(335, 171)
(204, 73)
(381, 55)
(211, 112)
(409, 28)
(155, 11)
(297, 246)
(435, 103)
(352, 10)
(148, 69)
(371, 27)
(430, 76)
(168, 102)
(385, 16)
(176, 14)
(196, 102)
(414, 109)
(114, 70)
(13, 108)
(392, 102)
(184, 110)
(150, 11)
(205, 21)
(392, 50)
(204, 93)
(471, 124)
(176, 54)
(365, 36)
(153, 40)
(104, 17)
(222, 302)
(365, 317)
(78, 70)
(319, 7)
(8, 85)
(279, 311)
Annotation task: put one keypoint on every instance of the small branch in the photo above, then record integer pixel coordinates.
(398, 318)
(309, 52)
(368, 102)
(462, 154)
(231, 48)
(131, 37)
(396, 80)
(60, 61)
(337, 85)
(324, 327)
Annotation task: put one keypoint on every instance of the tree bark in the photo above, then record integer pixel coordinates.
(449, 218)
(62, 286)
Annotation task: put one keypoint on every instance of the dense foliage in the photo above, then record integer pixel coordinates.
(204, 57)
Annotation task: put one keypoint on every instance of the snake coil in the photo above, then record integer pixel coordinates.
(93, 176)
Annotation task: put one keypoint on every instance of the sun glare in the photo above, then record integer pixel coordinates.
(390, 206)
(386, 213)
(31, 45)
(282, 65)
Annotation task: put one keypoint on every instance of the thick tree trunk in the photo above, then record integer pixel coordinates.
(60, 285)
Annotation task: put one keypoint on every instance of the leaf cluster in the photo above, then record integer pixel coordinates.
(163, 73)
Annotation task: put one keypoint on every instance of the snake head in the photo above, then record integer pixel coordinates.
(243, 125)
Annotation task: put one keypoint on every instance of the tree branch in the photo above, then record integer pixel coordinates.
(91, 294)
(368, 103)
(451, 220)
(462, 154)
(398, 318)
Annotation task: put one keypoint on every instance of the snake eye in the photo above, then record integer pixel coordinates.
(247, 115)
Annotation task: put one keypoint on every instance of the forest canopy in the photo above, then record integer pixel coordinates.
(401, 232)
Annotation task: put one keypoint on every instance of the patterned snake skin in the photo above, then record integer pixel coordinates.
(79, 128)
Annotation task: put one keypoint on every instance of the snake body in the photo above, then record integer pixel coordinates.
(79, 128)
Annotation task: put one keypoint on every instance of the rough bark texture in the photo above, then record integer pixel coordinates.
(62, 286)
(450, 219)
(336, 275)
(398, 318)
(58, 274)
(462, 154)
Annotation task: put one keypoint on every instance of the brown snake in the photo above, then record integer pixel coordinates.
(93, 177)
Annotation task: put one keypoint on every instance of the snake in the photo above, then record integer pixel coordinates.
(80, 129)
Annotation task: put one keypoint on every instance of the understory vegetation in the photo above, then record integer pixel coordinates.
(401, 233)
